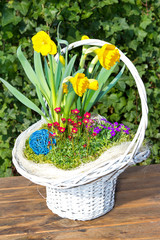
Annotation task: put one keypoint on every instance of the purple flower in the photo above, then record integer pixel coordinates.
(103, 126)
(116, 123)
(126, 131)
(97, 130)
(113, 133)
(103, 119)
(109, 128)
(87, 126)
(118, 129)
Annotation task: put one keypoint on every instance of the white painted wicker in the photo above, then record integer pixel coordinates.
(90, 194)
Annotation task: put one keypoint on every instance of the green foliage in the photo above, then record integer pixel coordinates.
(133, 26)
(81, 148)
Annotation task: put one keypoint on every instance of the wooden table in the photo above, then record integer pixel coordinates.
(136, 215)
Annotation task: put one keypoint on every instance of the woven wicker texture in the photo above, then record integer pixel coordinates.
(91, 193)
(81, 202)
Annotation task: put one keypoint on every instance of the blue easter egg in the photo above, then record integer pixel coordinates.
(39, 140)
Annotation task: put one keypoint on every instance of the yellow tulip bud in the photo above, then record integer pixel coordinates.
(84, 37)
(62, 60)
(93, 84)
(65, 88)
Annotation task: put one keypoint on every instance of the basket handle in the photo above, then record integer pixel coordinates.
(139, 136)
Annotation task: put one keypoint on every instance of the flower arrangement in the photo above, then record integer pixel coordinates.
(69, 134)
(85, 140)
(67, 92)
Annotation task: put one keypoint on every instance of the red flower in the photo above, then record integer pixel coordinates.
(72, 111)
(74, 130)
(70, 137)
(94, 134)
(79, 123)
(69, 120)
(56, 124)
(76, 111)
(72, 123)
(85, 145)
(52, 134)
(63, 120)
(58, 109)
(49, 125)
(79, 117)
(85, 120)
(61, 129)
(87, 115)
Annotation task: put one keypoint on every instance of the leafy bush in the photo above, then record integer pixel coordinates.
(132, 25)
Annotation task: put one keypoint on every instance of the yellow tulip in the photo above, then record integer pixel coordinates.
(108, 55)
(93, 84)
(42, 43)
(80, 83)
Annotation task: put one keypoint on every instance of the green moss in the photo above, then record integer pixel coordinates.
(71, 154)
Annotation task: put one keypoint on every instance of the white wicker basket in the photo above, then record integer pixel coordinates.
(90, 194)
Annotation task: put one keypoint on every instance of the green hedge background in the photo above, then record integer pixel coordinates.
(132, 25)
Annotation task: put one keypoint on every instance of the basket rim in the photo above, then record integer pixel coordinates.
(83, 175)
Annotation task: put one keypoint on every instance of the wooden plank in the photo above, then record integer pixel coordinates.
(11, 182)
(24, 214)
(25, 208)
(17, 188)
(33, 222)
(26, 204)
(14, 196)
(146, 229)
(33, 192)
(137, 183)
(21, 193)
(141, 171)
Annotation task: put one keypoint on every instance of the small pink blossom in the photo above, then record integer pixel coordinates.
(76, 111)
(87, 115)
(94, 134)
(50, 125)
(58, 109)
(79, 123)
(85, 120)
(70, 137)
(56, 124)
(63, 120)
(61, 129)
(69, 120)
(79, 117)
(52, 134)
(74, 130)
